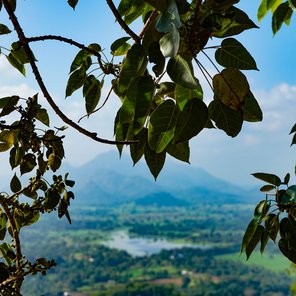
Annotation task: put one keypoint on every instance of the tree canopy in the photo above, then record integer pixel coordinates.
(153, 74)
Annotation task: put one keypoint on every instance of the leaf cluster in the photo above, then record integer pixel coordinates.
(273, 217)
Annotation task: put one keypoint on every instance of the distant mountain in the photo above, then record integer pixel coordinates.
(110, 180)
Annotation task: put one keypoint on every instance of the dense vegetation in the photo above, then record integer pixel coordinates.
(87, 266)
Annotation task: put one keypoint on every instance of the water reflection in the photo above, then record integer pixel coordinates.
(139, 246)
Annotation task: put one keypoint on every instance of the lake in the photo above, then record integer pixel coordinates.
(139, 246)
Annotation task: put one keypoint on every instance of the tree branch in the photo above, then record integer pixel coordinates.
(24, 41)
(122, 23)
(72, 42)
(151, 18)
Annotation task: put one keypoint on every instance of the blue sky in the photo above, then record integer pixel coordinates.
(260, 147)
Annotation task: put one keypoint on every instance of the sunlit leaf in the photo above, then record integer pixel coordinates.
(120, 46)
(182, 94)
(6, 140)
(54, 162)
(231, 87)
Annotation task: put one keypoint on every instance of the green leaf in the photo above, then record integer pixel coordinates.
(272, 225)
(133, 63)
(256, 238)
(145, 92)
(180, 151)
(79, 59)
(169, 43)
(268, 178)
(233, 22)
(42, 116)
(288, 196)
(162, 125)
(75, 81)
(73, 3)
(233, 54)
(192, 120)
(293, 130)
(3, 225)
(155, 56)
(293, 140)
(4, 30)
(28, 162)
(16, 63)
(292, 4)
(273, 4)
(12, 4)
(251, 109)
(137, 150)
(52, 199)
(4, 271)
(63, 210)
(287, 178)
(281, 15)
(70, 183)
(180, 72)
(120, 46)
(267, 188)
(264, 240)
(286, 249)
(261, 210)
(182, 94)
(54, 162)
(168, 18)
(262, 10)
(9, 101)
(231, 87)
(7, 253)
(155, 161)
(251, 228)
(15, 184)
(7, 139)
(225, 118)
(131, 9)
(92, 93)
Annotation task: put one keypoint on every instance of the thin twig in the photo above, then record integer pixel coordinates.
(151, 18)
(71, 42)
(23, 40)
(122, 23)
